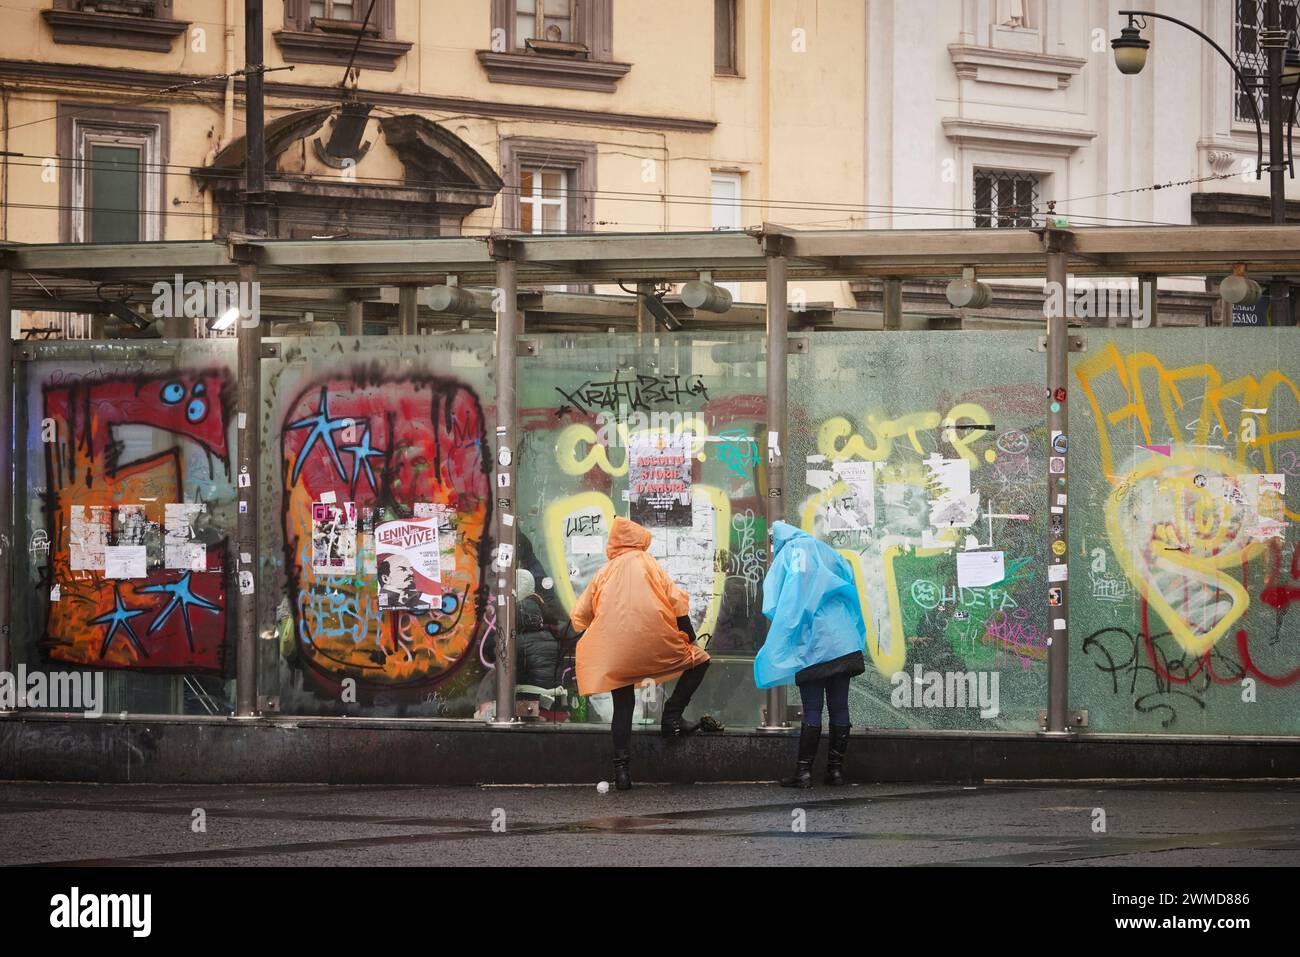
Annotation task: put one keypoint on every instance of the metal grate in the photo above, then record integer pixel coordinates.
(1004, 198)
(1251, 58)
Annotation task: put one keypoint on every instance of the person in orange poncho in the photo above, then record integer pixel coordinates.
(637, 627)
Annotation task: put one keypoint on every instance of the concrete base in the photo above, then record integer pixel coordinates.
(169, 750)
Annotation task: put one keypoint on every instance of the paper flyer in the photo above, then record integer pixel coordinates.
(408, 559)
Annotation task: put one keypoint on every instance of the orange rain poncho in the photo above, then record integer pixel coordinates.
(629, 613)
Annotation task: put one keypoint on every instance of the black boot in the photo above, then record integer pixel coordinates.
(810, 736)
(622, 772)
(675, 726)
(835, 754)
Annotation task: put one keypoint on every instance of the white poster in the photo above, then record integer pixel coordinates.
(408, 557)
(181, 549)
(980, 569)
(125, 561)
(90, 527)
(334, 538)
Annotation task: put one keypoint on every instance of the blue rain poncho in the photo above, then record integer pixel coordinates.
(812, 601)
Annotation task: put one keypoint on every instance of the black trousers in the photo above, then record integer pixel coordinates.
(625, 703)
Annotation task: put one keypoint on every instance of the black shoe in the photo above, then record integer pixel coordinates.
(675, 726)
(809, 737)
(622, 770)
(839, 743)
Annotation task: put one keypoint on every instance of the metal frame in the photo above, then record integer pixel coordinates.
(356, 270)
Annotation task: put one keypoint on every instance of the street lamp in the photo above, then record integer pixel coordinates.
(1283, 74)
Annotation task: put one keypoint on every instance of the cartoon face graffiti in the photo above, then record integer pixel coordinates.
(389, 448)
(126, 450)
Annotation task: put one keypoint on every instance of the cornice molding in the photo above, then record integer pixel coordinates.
(152, 34)
(1050, 140)
(81, 76)
(1014, 67)
(570, 73)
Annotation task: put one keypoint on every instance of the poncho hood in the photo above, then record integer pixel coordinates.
(625, 535)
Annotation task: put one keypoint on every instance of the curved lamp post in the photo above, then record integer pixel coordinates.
(1130, 51)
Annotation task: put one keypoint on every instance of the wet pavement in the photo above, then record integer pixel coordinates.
(1104, 823)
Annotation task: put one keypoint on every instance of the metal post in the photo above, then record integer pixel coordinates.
(1057, 244)
(644, 321)
(892, 303)
(1149, 297)
(356, 316)
(247, 461)
(255, 211)
(7, 447)
(504, 487)
(1274, 40)
(406, 310)
(778, 327)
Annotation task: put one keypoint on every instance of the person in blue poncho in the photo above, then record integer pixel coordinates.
(816, 639)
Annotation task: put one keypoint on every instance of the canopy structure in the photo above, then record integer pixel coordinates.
(324, 276)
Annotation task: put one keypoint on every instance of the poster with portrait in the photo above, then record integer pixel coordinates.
(408, 561)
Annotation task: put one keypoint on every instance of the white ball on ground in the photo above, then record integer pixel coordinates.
(603, 787)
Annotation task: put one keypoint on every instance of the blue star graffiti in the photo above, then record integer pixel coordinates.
(183, 596)
(362, 453)
(119, 617)
(323, 426)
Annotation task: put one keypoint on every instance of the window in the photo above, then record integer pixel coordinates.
(727, 213)
(724, 37)
(124, 24)
(1252, 59)
(556, 180)
(325, 31)
(1005, 199)
(559, 43)
(338, 10)
(113, 192)
(550, 20)
(543, 195)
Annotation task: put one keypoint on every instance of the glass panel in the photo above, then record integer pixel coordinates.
(586, 403)
(317, 8)
(128, 462)
(558, 20)
(724, 39)
(360, 434)
(1185, 447)
(343, 10)
(983, 200)
(525, 21)
(526, 216)
(552, 218)
(552, 184)
(113, 194)
(921, 456)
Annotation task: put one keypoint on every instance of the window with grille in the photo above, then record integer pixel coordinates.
(1252, 59)
(1005, 199)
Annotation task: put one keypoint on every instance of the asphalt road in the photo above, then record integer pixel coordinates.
(1170, 824)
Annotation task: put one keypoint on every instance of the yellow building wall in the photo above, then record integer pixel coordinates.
(792, 124)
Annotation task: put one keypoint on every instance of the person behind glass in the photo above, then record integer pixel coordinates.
(636, 628)
(816, 639)
(540, 655)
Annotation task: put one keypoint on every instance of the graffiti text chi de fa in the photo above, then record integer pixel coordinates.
(59, 690)
(221, 302)
(947, 689)
(1104, 299)
(75, 909)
